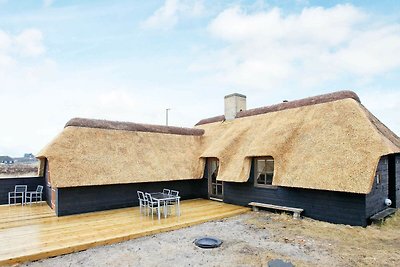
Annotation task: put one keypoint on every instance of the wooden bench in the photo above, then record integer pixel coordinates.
(296, 211)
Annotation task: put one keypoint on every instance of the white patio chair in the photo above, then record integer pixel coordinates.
(151, 204)
(142, 202)
(173, 202)
(37, 195)
(166, 191)
(19, 192)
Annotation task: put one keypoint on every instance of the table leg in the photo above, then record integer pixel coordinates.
(165, 209)
(158, 210)
(179, 207)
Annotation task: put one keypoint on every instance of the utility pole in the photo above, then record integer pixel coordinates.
(166, 115)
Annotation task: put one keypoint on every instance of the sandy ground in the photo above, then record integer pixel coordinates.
(19, 170)
(252, 239)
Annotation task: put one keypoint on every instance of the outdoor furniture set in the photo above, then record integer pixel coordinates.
(21, 192)
(150, 202)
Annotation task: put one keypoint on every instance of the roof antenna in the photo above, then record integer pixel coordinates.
(166, 116)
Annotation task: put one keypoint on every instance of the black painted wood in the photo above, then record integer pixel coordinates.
(397, 174)
(47, 186)
(8, 184)
(393, 187)
(74, 200)
(335, 207)
(375, 200)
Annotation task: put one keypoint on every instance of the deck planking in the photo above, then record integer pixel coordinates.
(31, 233)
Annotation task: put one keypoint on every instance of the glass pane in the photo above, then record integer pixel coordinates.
(270, 166)
(260, 165)
(264, 170)
(268, 179)
(261, 178)
(219, 189)
(213, 189)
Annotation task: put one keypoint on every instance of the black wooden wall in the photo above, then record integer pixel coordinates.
(397, 174)
(8, 184)
(375, 200)
(47, 186)
(74, 200)
(335, 207)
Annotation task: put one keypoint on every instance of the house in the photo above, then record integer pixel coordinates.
(325, 154)
(26, 159)
(6, 160)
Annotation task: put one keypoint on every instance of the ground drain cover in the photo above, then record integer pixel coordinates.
(208, 242)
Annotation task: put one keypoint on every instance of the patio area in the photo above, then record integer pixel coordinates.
(33, 232)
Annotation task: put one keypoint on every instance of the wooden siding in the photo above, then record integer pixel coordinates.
(75, 200)
(47, 186)
(393, 186)
(397, 172)
(8, 184)
(335, 207)
(375, 200)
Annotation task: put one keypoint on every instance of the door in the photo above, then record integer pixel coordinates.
(215, 188)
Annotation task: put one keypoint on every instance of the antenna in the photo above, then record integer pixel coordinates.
(166, 115)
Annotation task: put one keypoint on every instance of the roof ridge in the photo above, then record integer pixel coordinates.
(308, 101)
(131, 126)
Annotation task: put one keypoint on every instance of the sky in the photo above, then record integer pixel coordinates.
(130, 60)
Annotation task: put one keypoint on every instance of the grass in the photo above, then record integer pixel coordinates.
(377, 245)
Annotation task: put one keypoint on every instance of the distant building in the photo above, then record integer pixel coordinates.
(26, 159)
(6, 160)
(29, 156)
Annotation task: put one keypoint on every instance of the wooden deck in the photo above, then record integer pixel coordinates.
(33, 232)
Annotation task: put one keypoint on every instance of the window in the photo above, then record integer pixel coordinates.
(263, 171)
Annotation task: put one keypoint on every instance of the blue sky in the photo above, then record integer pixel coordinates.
(130, 60)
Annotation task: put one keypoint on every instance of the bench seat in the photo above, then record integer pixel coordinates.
(296, 211)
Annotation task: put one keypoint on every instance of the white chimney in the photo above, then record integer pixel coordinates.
(234, 103)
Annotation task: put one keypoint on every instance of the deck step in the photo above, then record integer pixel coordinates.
(382, 214)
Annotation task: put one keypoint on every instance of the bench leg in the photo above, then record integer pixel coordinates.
(296, 215)
(255, 208)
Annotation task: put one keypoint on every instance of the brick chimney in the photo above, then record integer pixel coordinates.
(234, 103)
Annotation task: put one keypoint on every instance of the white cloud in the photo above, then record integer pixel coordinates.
(29, 43)
(168, 15)
(266, 49)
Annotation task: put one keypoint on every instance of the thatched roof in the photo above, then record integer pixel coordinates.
(319, 99)
(332, 145)
(130, 126)
(83, 155)
(327, 142)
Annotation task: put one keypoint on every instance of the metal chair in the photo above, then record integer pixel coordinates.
(151, 204)
(166, 191)
(37, 195)
(19, 192)
(142, 201)
(173, 202)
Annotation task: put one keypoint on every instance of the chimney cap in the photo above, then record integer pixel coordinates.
(235, 94)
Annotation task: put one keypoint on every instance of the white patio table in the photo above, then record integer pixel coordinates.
(161, 197)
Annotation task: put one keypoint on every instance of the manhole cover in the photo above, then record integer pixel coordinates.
(208, 242)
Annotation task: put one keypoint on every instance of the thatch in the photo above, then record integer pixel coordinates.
(82, 156)
(319, 99)
(329, 146)
(211, 120)
(130, 126)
